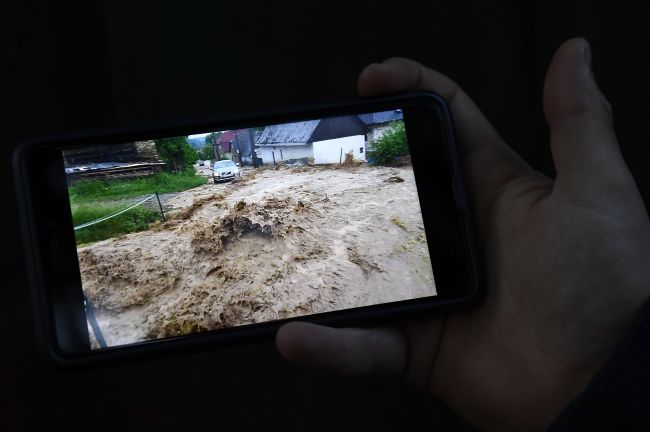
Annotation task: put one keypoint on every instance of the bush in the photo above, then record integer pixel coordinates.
(176, 152)
(391, 145)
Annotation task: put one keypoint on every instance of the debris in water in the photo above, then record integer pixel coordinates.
(397, 221)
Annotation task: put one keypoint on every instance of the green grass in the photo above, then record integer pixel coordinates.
(93, 199)
(136, 219)
(88, 191)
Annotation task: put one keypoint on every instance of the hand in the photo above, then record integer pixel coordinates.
(566, 262)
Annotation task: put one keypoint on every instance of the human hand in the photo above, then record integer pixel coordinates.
(565, 258)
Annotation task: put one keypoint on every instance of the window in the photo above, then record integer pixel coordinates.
(360, 149)
(224, 163)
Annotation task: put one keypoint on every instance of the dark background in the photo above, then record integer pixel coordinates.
(78, 64)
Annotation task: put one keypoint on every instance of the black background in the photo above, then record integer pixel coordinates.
(77, 64)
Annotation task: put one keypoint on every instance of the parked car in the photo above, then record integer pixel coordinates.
(225, 170)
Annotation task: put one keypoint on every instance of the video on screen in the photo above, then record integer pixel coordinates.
(226, 228)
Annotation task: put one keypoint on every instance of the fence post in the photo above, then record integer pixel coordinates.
(162, 213)
(341, 157)
(90, 315)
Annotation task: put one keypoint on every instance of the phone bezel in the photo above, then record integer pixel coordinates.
(50, 247)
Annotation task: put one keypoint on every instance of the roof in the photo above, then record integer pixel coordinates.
(381, 117)
(226, 137)
(288, 134)
(106, 166)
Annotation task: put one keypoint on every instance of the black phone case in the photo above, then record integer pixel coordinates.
(42, 300)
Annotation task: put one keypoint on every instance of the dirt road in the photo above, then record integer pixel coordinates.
(275, 243)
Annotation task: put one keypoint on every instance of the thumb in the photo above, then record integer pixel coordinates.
(583, 143)
(347, 351)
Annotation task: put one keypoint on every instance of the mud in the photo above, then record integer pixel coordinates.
(279, 242)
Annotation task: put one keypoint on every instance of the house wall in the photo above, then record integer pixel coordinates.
(242, 142)
(225, 147)
(283, 153)
(376, 132)
(329, 151)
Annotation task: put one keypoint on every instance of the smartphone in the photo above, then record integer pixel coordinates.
(173, 238)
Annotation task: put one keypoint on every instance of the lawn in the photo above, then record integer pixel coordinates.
(94, 199)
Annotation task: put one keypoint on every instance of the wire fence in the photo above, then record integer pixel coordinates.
(90, 310)
(110, 216)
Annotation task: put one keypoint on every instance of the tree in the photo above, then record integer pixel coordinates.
(391, 145)
(212, 137)
(206, 152)
(176, 152)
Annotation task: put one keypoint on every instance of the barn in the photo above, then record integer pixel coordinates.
(127, 160)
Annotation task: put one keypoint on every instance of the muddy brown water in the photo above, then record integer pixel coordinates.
(276, 243)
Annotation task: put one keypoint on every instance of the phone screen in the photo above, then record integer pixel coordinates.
(226, 228)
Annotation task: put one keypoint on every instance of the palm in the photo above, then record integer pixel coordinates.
(519, 354)
(565, 262)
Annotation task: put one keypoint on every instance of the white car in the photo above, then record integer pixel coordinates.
(225, 170)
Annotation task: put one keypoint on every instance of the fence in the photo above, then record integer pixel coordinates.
(90, 310)
(104, 218)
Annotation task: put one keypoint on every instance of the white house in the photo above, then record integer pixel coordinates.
(319, 141)
(334, 150)
(378, 123)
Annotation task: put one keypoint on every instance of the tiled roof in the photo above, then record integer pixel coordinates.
(288, 134)
(381, 117)
(226, 137)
